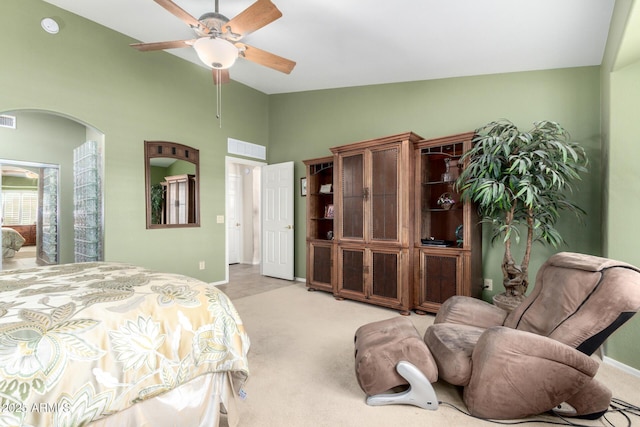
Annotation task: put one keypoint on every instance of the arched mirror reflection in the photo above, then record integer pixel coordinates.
(172, 185)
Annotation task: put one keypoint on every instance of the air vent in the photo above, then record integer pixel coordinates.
(7, 121)
(247, 149)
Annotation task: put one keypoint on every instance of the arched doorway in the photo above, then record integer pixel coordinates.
(70, 204)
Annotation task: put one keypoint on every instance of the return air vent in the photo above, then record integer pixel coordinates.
(247, 149)
(7, 121)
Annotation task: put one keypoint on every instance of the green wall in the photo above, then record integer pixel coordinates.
(159, 173)
(624, 193)
(90, 73)
(621, 103)
(19, 183)
(305, 125)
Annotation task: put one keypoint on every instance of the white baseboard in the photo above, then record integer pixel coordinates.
(625, 368)
(301, 279)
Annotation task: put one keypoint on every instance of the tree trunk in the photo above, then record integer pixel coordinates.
(524, 265)
(511, 273)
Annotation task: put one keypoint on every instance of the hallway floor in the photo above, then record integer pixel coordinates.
(245, 280)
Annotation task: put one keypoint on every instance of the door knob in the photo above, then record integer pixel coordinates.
(289, 227)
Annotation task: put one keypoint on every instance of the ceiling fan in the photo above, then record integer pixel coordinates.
(218, 43)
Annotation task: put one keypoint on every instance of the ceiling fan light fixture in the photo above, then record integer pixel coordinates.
(216, 53)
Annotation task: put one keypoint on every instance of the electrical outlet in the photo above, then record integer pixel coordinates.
(488, 284)
(220, 219)
(201, 265)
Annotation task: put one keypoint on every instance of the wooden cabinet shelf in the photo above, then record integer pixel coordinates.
(453, 270)
(320, 244)
(443, 210)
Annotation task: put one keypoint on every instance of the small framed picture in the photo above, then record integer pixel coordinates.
(325, 189)
(303, 186)
(328, 211)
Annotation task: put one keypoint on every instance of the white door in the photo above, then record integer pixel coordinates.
(234, 215)
(277, 220)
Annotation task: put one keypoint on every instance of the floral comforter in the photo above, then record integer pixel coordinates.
(81, 341)
(12, 241)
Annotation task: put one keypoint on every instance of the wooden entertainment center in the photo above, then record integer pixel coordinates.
(381, 227)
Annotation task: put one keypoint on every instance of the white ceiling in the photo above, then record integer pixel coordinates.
(341, 43)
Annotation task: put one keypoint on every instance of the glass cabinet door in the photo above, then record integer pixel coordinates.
(384, 194)
(442, 211)
(353, 196)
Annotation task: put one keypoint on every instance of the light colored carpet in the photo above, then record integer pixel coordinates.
(302, 367)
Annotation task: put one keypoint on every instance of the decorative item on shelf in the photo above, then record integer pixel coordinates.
(325, 189)
(446, 201)
(328, 211)
(460, 235)
(432, 241)
(455, 167)
(329, 235)
(446, 176)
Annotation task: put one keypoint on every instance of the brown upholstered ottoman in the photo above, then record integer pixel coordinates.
(380, 346)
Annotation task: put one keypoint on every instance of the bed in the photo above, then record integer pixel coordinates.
(111, 344)
(12, 241)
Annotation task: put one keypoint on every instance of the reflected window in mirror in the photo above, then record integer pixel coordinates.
(172, 185)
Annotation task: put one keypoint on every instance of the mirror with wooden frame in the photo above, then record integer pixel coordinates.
(172, 185)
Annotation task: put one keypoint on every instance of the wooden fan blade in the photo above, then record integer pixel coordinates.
(253, 18)
(183, 15)
(265, 58)
(144, 47)
(220, 76)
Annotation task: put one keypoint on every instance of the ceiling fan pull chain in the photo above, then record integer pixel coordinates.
(219, 97)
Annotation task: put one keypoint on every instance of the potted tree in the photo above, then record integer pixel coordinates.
(520, 182)
(157, 201)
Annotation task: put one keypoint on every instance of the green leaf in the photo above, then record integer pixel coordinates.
(526, 173)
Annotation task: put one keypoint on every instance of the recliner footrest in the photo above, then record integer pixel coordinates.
(380, 346)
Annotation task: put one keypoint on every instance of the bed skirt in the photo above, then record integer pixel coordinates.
(198, 403)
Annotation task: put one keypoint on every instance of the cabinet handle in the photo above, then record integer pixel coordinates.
(365, 193)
